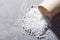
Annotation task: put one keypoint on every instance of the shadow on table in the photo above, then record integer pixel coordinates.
(55, 22)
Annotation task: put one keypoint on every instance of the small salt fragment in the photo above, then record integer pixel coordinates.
(41, 34)
(34, 35)
(29, 34)
(42, 37)
(25, 30)
(23, 34)
(24, 17)
(31, 6)
(23, 27)
(37, 37)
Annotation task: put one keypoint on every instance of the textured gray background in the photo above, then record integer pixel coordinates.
(11, 12)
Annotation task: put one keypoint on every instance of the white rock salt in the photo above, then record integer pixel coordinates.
(34, 23)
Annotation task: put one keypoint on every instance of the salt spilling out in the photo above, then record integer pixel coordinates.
(34, 23)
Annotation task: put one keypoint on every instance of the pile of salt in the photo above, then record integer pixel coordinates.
(34, 23)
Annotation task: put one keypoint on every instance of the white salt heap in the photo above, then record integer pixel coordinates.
(34, 23)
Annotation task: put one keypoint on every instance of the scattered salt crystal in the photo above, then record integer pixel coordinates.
(34, 23)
